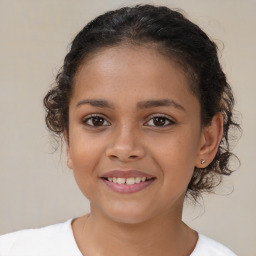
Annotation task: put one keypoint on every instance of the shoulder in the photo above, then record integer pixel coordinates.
(55, 239)
(209, 247)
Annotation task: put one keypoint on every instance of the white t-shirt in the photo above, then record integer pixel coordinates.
(58, 240)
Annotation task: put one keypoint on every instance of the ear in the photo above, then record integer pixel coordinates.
(69, 157)
(210, 140)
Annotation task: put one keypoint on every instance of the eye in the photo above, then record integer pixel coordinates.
(95, 121)
(160, 121)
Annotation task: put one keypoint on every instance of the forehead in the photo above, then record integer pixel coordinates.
(127, 54)
(136, 72)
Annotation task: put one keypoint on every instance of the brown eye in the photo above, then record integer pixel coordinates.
(160, 121)
(96, 121)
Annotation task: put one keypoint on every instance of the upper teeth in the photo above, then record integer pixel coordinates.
(129, 181)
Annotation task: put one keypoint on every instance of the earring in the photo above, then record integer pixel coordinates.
(203, 161)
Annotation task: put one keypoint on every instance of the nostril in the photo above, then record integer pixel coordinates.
(113, 156)
(125, 153)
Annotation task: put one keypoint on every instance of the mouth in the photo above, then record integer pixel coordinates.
(127, 181)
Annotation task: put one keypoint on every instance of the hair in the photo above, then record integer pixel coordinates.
(174, 36)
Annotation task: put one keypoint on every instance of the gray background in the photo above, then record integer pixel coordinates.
(36, 188)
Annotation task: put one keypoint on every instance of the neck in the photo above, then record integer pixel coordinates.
(161, 235)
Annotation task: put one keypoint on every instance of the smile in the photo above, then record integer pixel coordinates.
(125, 187)
(128, 181)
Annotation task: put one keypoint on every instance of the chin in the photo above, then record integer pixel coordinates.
(128, 218)
(126, 214)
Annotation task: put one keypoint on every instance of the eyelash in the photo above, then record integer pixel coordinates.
(166, 119)
(152, 117)
(90, 117)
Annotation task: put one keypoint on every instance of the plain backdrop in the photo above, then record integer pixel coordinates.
(36, 188)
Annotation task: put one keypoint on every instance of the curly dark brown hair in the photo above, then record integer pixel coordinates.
(177, 38)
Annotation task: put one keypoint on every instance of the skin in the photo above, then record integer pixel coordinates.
(147, 222)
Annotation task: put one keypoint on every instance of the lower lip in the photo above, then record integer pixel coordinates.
(124, 188)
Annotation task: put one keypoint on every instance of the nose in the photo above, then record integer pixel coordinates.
(125, 145)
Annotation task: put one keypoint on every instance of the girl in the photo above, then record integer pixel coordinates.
(145, 111)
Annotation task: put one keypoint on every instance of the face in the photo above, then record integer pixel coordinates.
(134, 134)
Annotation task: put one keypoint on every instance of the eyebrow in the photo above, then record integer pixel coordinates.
(95, 103)
(160, 103)
(141, 105)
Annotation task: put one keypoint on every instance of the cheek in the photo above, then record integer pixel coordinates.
(176, 155)
(177, 147)
(85, 156)
(84, 166)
